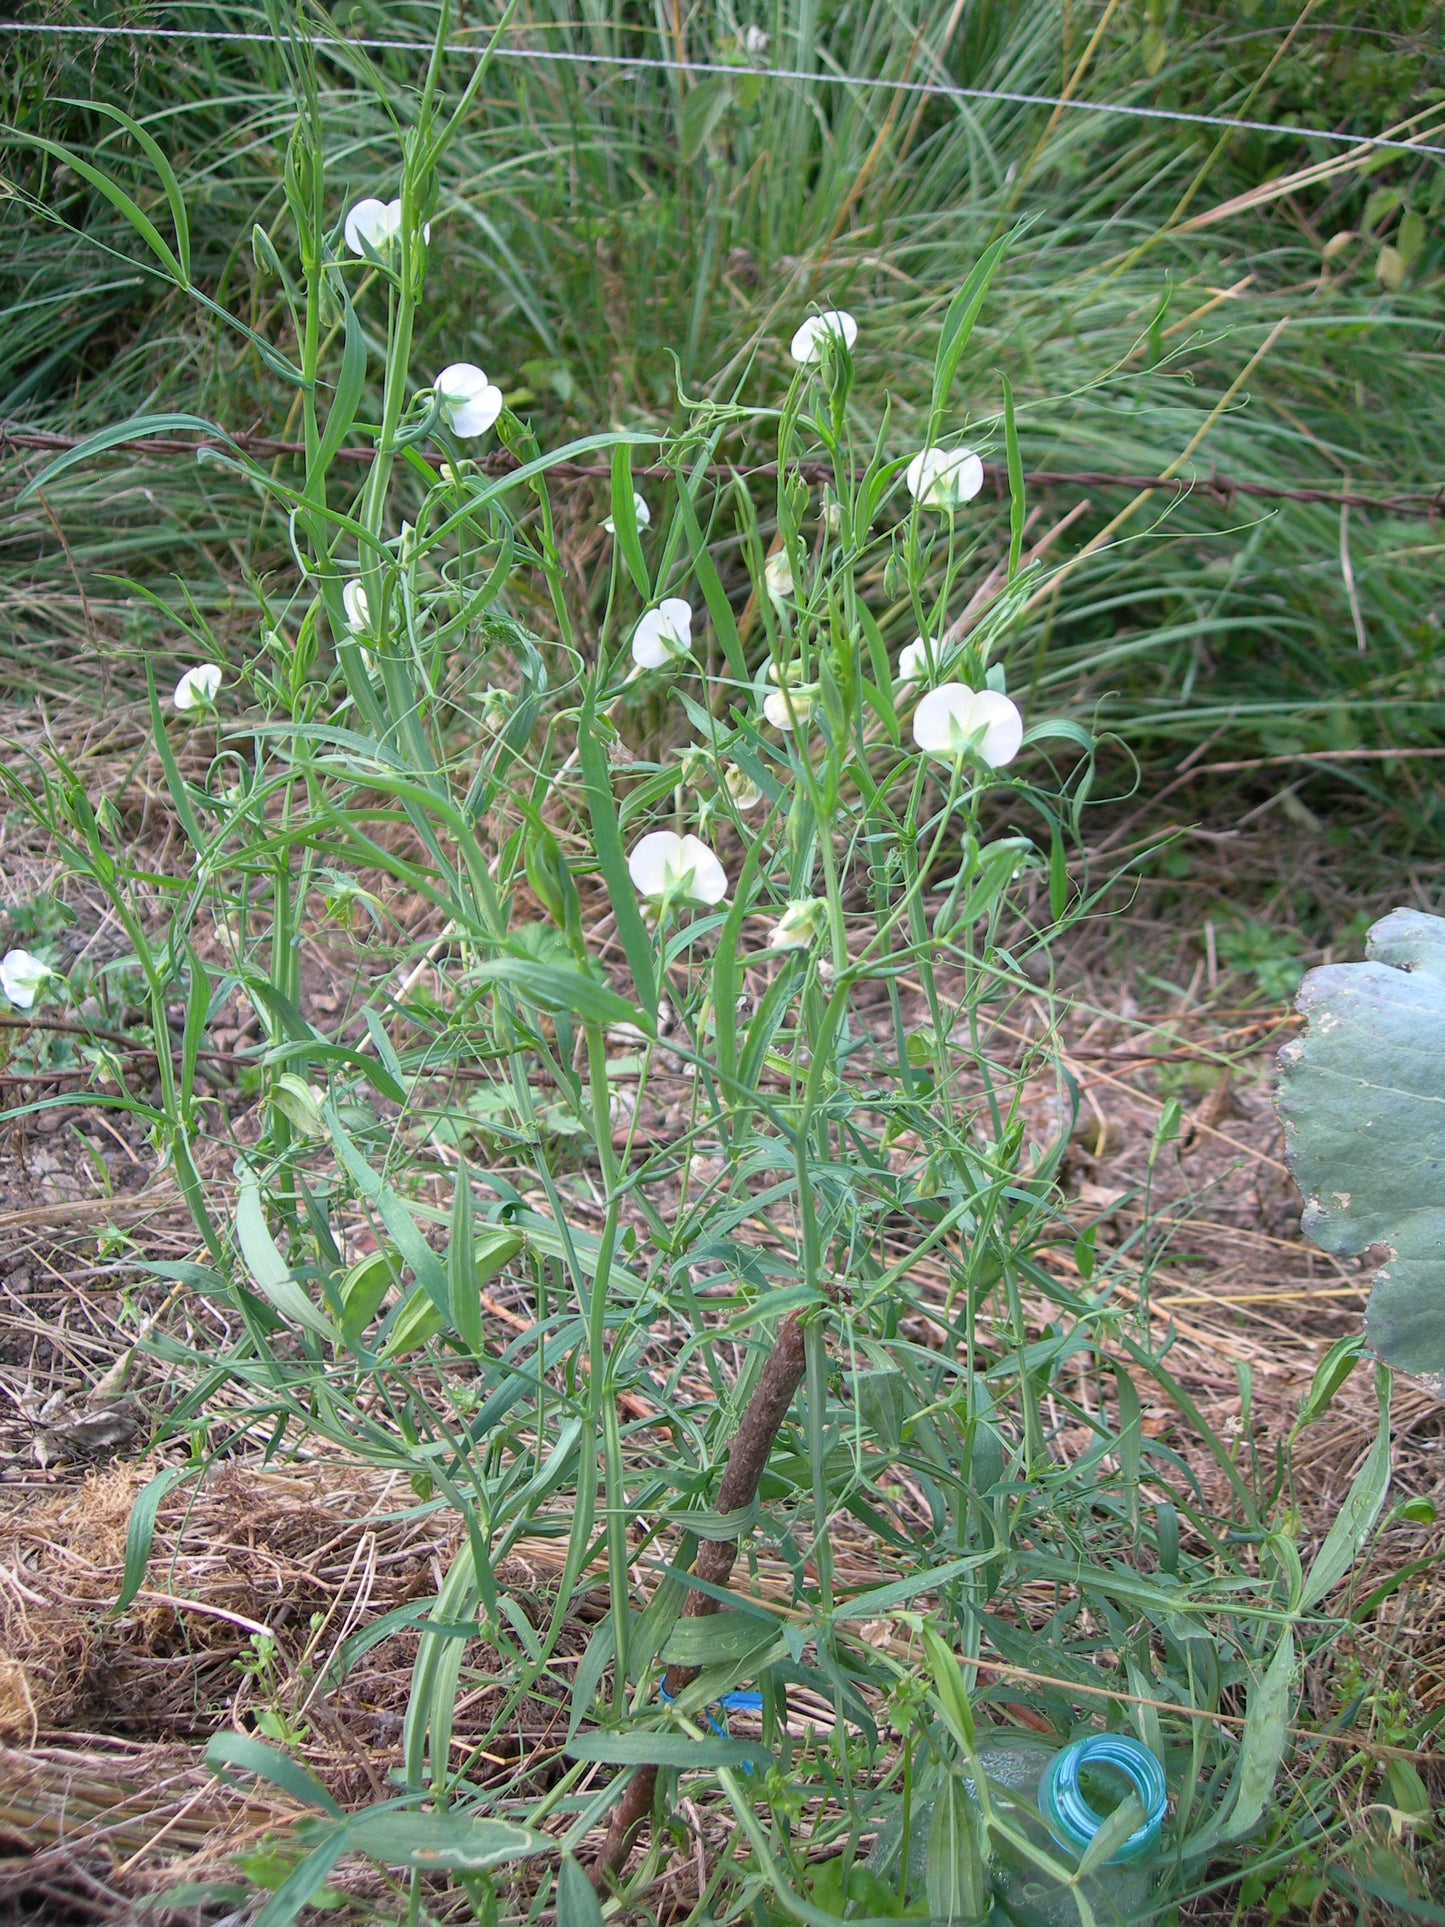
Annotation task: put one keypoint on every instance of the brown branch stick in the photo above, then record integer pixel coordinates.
(747, 1458)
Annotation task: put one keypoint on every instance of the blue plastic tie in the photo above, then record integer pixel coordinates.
(1073, 1822)
(728, 1703)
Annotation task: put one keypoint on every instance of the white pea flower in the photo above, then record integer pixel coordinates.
(800, 924)
(778, 576)
(741, 788)
(808, 341)
(791, 708)
(951, 717)
(21, 976)
(665, 864)
(922, 658)
(470, 403)
(374, 224)
(944, 478)
(358, 609)
(663, 635)
(197, 688)
(641, 512)
(755, 42)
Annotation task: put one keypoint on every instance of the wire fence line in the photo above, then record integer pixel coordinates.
(657, 63)
(1419, 505)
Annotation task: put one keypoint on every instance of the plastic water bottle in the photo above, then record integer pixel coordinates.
(1058, 1799)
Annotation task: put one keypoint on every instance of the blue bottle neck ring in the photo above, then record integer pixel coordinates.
(1072, 1820)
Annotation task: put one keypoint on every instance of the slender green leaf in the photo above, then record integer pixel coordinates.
(715, 1639)
(156, 155)
(277, 1769)
(958, 325)
(303, 1882)
(666, 1749)
(577, 1901)
(705, 569)
(1262, 1748)
(555, 987)
(1353, 1523)
(426, 1267)
(141, 1527)
(1015, 480)
(607, 841)
(175, 783)
(268, 1270)
(948, 1685)
(624, 521)
(136, 428)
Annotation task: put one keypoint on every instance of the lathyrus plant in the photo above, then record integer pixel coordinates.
(739, 817)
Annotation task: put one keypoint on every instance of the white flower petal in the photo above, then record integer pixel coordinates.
(663, 635)
(709, 878)
(741, 788)
(197, 688)
(683, 867)
(778, 576)
(913, 661)
(469, 402)
(358, 609)
(800, 925)
(807, 343)
(376, 223)
(642, 515)
(949, 716)
(944, 478)
(790, 708)
(1003, 727)
(21, 976)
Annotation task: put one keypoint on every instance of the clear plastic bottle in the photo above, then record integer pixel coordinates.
(1057, 1799)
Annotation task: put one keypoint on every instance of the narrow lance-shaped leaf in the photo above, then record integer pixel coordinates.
(607, 839)
(624, 521)
(1263, 1744)
(269, 1271)
(135, 428)
(958, 325)
(1353, 1523)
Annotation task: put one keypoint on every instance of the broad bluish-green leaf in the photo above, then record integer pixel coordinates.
(442, 1842)
(1363, 1101)
(716, 1638)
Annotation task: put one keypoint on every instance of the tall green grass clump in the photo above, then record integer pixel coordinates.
(1259, 306)
(735, 838)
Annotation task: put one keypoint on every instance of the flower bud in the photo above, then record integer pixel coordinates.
(800, 925)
